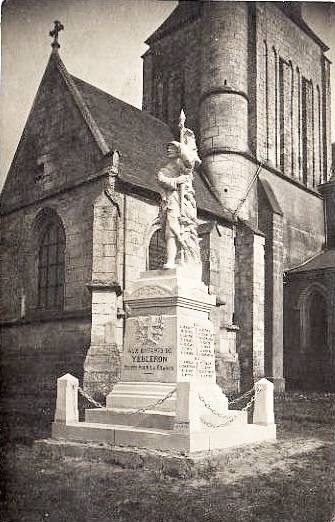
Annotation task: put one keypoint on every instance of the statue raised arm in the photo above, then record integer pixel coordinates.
(178, 205)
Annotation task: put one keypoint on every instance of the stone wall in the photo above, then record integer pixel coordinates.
(122, 229)
(20, 238)
(171, 77)
(56, 150)
(285, 59)
(271, 224)
(249, 304)
(304, 232)
(33, 355)
(222, 284)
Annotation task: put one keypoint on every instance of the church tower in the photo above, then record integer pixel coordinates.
(199, 60)
(226, 102)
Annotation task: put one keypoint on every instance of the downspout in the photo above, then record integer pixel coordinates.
(124, 261)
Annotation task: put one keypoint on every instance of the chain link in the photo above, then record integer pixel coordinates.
(89, 398)
(140, 410)
(238, 399)
(210, 408)
(154, 404)
(210, 425)
(241, 397)
(250, 403)
(228, 419)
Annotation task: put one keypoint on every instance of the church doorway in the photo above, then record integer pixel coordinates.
(317, 360)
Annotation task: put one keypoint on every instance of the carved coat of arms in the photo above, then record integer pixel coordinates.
(150, 329)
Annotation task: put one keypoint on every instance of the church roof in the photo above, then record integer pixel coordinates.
(141, 140)
(322, 261)
(185, 11)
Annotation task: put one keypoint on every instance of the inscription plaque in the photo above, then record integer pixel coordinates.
(206, 355)
(165, 348)
(196, 358)
(150, 353)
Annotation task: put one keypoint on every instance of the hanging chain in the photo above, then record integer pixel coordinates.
(228, 419)
(238, 399)
(210, 408)
(89, 398)
(154, 404)
(140, 410)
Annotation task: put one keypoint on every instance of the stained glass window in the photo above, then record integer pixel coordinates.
(157, 250)
(51, 268)
(157, 253)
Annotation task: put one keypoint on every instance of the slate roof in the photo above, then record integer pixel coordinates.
(184, 12)
(322, 261)
(188, 10)
(141, 139)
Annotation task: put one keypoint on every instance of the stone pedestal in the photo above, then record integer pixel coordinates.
(168, 397)
(169, 340)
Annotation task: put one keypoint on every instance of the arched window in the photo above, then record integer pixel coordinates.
(51, 267)
(315, 342)
(159, 93)
(157, 250)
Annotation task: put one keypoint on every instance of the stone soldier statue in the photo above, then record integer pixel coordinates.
(178, 206)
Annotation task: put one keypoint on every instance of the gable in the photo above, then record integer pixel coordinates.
(56, 149)
(71, 127)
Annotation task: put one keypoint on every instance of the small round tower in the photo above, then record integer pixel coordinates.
(224, 102)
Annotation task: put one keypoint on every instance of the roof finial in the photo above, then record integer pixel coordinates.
(54, 34)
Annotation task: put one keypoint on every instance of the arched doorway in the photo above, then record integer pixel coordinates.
(316, 350)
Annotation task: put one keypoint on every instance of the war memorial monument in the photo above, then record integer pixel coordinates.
(167, 397)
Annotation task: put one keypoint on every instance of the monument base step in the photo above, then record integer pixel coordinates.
(207, 439)
(164, 420)
(152, 419)
(140, 395)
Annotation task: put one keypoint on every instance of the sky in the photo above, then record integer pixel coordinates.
(102, 44)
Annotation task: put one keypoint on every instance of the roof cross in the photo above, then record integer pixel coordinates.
(54, 34)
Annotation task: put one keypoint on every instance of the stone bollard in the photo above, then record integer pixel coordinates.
(187, 408)
(263, 406)
(67, 400)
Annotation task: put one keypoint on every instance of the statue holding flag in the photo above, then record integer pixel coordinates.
(178, 206)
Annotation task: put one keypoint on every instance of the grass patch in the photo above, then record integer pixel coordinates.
(292, 480)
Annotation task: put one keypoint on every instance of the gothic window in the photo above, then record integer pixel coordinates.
(299, 121)
(266, 99)
(275, 64)
(157, 250)
(319, 134)
(51, 267)
(159, 93)
(315, 353)
(285, 115)
(307, 109)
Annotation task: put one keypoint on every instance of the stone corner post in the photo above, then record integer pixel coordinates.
(67, 400)
(264, 405)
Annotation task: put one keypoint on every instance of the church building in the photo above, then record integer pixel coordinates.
(80, 216)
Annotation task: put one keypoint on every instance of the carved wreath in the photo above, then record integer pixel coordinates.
(149, 329)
